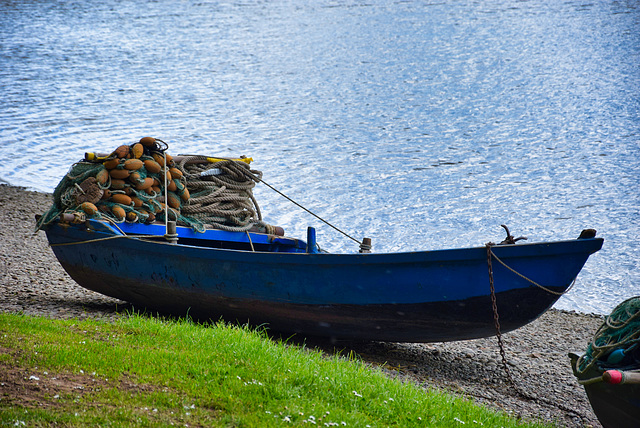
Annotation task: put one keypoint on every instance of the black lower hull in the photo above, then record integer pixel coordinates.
(419, 322)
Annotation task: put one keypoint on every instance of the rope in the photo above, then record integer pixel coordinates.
(259, 179)
(222, 198)
(620, 330)
(89, 241)
(250, 241)
(557, 293)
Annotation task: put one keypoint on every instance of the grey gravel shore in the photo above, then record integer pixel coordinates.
(34, 283)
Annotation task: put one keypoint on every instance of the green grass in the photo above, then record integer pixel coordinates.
(144, 371)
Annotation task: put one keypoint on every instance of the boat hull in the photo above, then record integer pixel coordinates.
(615, 405)
(429, 296)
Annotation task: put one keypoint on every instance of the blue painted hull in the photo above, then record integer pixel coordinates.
(424, 296)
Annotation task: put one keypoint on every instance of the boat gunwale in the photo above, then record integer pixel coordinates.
(522, 250)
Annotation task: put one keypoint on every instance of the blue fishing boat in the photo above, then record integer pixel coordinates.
(184, 235)
(290, 286)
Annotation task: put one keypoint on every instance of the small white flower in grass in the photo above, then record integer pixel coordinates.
(286, 419)
(356, 394)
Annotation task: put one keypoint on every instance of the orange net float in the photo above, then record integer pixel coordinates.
(133, 164)
(119, 174)
(152, 166)
(137, 150)
(89, 209)
(122, 151)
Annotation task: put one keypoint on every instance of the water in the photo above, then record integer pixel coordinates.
(419, 124)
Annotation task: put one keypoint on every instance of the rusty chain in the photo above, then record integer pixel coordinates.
(496, 320)
(505, 364)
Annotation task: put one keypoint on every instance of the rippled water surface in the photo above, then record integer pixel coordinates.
(419, 124)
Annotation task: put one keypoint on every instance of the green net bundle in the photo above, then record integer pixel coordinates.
(616, 344)
(129, 185)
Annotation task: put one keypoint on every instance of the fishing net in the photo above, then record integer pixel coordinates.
(141, 183)
(616, 343)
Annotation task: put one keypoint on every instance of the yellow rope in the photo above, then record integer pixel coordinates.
(250, 242)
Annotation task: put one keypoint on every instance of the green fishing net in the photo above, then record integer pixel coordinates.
(616, 344)
(129, 185)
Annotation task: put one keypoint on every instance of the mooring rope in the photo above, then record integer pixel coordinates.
(557, 293)
(259, 179)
